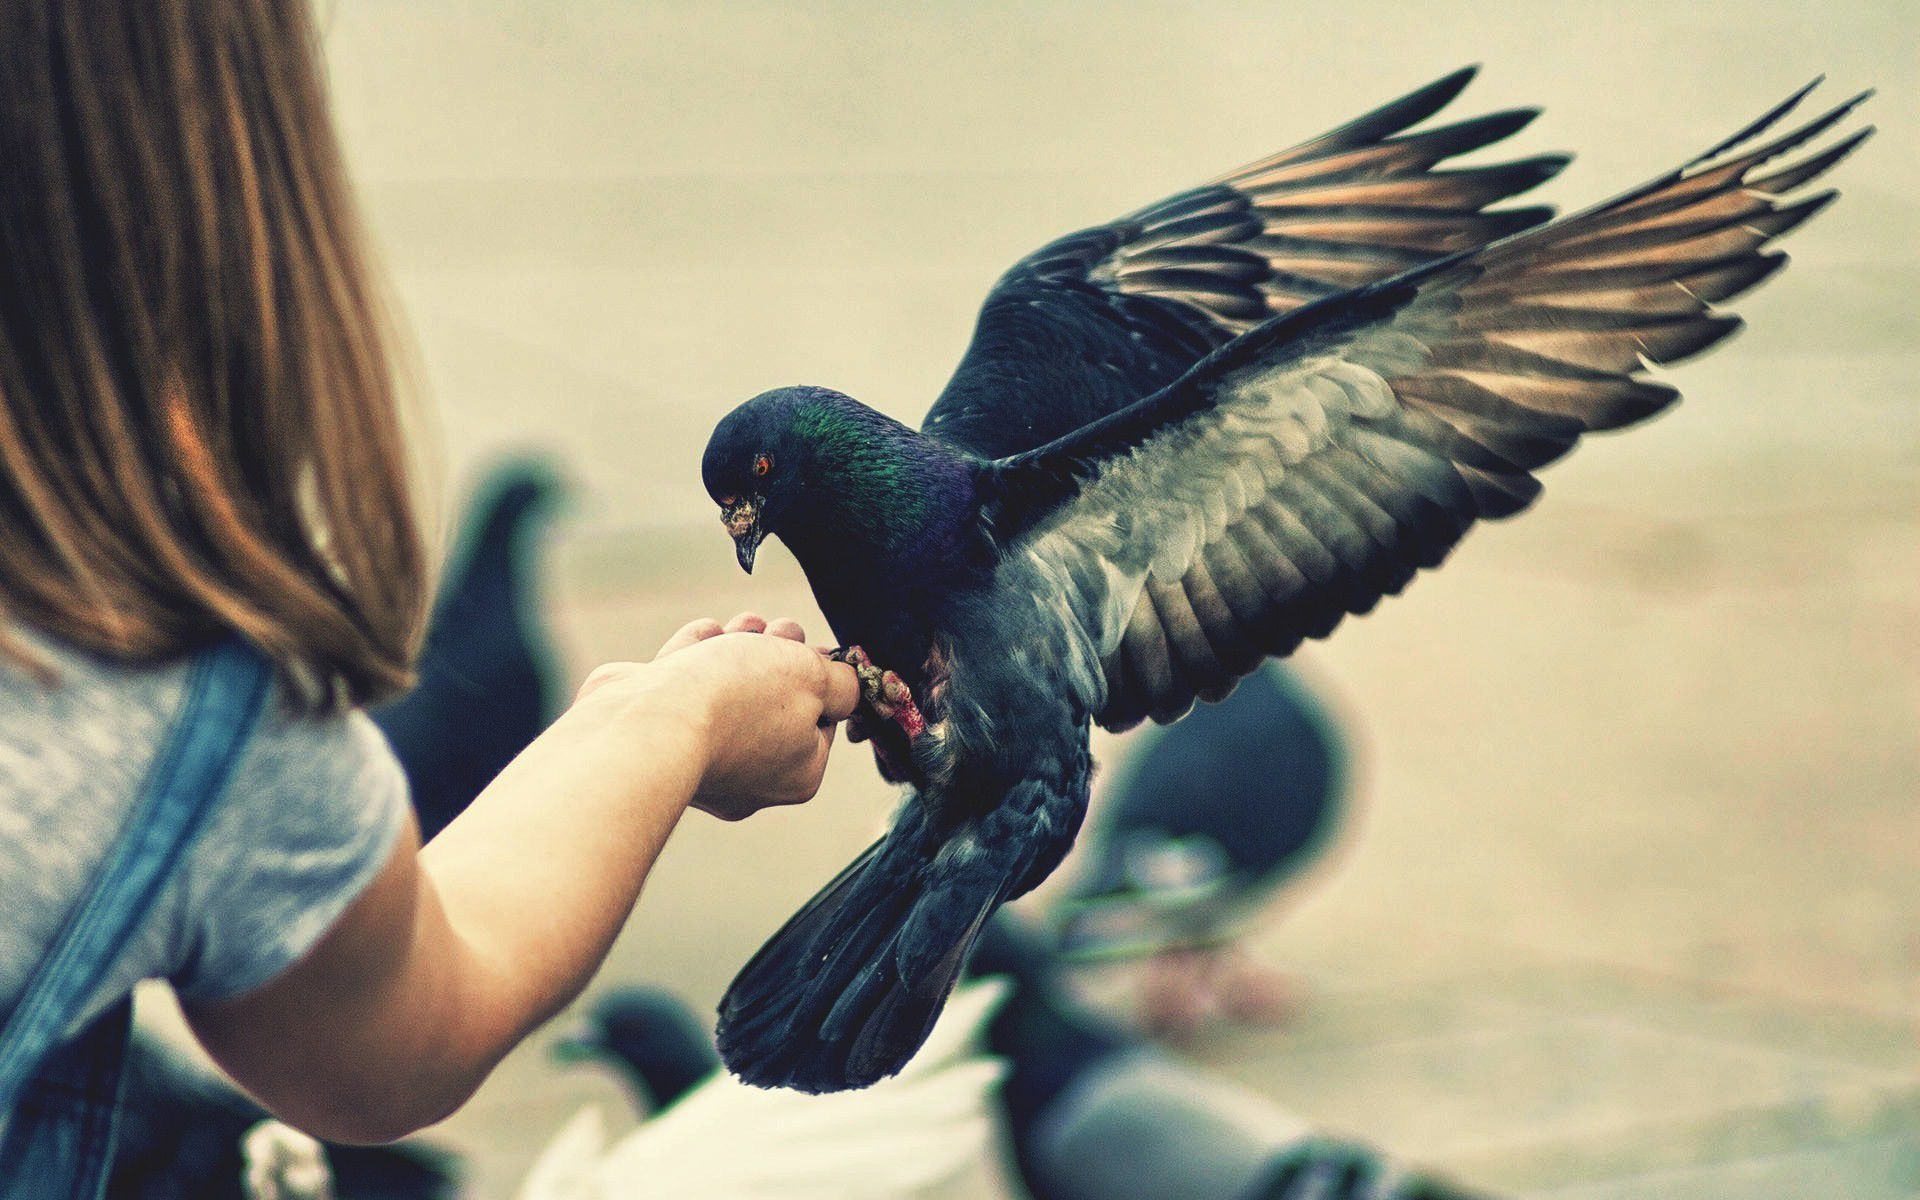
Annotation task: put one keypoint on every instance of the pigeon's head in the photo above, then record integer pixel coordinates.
(758, 460)
(516, 490)
(650, 1036)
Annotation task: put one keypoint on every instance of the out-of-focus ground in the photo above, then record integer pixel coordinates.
(1632, 905)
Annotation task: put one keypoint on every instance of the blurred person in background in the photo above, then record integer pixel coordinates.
(208, 566)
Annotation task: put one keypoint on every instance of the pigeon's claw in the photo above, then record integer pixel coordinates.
(855, 657)
(905, 713)
(1185, 988)
(885, 693)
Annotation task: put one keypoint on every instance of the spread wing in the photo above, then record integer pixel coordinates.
(1094, 321)
(1315, 464)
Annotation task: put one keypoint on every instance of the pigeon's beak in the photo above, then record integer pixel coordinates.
(741, 516)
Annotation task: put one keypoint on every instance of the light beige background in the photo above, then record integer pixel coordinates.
(1632, 904)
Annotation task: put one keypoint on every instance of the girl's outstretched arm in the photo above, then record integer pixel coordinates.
(457, 951)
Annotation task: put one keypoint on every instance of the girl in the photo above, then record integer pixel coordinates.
(198, 443)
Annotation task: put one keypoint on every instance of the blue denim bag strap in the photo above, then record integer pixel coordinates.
(60, 1137)
(225, 692)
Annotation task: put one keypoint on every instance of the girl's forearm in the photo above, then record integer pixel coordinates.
(538, 876)
(459, 949)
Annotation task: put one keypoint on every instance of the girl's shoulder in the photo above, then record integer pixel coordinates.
(309, 817)
(96, 723)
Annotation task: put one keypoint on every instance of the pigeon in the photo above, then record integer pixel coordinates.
(186, 1132)
(488, 683)
(1177, 445)
(1207, 820)
(911, 1136)
(1092, 1111)
(660, 1048)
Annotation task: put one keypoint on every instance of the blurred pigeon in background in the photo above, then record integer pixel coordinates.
(1093, 1113)
(660, 1049)
(488, 681)
(908, 1137)
(1204, 823)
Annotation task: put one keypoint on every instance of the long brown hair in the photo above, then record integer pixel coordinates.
(198, 429)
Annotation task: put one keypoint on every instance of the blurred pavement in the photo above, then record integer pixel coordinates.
(1632, 908)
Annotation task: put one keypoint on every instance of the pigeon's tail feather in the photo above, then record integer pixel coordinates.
(848, 990)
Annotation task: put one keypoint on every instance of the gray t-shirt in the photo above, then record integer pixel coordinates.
(309, 818)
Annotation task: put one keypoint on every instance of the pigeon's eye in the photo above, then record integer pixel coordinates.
(761, 465)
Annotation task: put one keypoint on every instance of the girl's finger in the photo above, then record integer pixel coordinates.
(691, 632)
(788, 628)
(842, 694)
(747, 622)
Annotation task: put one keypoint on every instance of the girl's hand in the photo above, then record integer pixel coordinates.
(763, 708)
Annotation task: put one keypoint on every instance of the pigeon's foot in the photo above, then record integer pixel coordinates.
(1183, 990)
(1176, 996)
(885, 693)
(1253, 993)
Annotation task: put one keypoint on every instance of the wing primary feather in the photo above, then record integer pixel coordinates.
(1500, 494)
(1747, 159)
(1438, 190)
(1711, 173)
(1709, 240)
(1394, 229)
(1388, 119)
(1788, 178)
(1459, 137)
(1760, 123)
